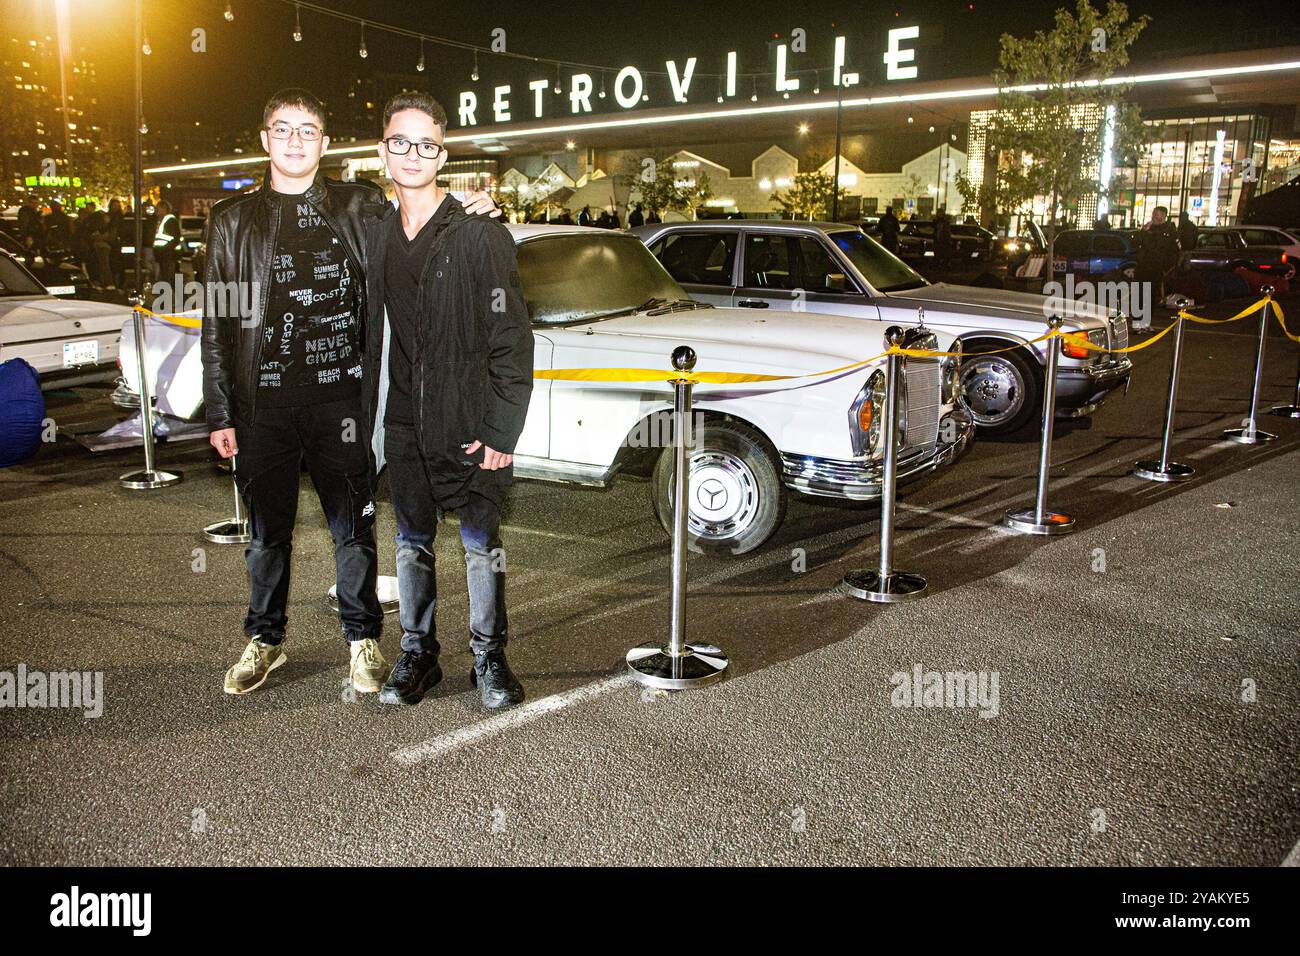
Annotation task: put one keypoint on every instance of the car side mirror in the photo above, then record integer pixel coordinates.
(837, 282)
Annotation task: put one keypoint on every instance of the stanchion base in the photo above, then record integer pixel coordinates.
(229, 531)
(1173, 471)
(1025, 521)
(385, 585)
(697, 665)
(897, 587)
(143, 480)
(1248, 436)
(1285, 411)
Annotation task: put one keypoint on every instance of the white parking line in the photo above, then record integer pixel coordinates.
(467, 736)
(1293, 858)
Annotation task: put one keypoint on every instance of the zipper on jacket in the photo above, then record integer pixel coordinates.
(266, 301)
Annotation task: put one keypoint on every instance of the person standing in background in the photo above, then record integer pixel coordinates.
(1187, 231)
(889, 230)
(1157, 255)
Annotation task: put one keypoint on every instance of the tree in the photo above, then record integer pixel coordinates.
(1050, 137)
(656, 187)
(109, 175)
(810, 197)
(694, 194)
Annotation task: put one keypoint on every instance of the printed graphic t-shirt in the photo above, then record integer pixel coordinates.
(311, 346)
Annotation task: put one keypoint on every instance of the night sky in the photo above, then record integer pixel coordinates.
(254, 55)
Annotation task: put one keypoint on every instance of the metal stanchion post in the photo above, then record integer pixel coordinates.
(232, 530)
(1292, 410)
(150, 477)
(1164, 469)
(884, 584)
(1249, 434)
(679, 665)
(1040, 519)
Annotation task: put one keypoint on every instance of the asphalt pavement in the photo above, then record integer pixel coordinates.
(1140, 678)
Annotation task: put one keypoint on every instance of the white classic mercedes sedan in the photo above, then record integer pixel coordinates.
(599, 299)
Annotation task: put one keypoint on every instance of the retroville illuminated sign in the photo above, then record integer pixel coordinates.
(629, 84)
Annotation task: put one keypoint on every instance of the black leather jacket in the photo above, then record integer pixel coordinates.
(241, 237)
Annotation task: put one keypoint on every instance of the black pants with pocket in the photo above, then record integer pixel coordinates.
(329, 438)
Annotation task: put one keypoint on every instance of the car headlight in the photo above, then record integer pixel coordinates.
(1096, 337)
(865, 414)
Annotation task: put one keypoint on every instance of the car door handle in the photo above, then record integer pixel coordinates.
(752, 303)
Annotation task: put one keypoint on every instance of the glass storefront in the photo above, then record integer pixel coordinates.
(1206, 165)
(1209, 165)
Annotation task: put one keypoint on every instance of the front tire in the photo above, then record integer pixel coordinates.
(737, 499)
(1003, 391)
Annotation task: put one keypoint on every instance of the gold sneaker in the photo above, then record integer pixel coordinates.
(257, 662)
(369, 669)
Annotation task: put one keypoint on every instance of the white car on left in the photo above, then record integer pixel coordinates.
(68, 342)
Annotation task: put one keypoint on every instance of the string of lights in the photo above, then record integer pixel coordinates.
(372, 27)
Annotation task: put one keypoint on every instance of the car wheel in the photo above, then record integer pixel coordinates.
(1001, 390)
(737, 500)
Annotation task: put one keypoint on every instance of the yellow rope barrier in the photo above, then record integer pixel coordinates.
(184, 321)
(1078, 339)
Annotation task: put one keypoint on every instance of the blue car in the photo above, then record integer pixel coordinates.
(1088, 253)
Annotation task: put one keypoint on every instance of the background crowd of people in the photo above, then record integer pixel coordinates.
(95, 239)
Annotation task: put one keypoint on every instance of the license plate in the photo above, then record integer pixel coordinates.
(80, 353)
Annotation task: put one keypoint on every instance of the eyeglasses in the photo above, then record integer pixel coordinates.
(400, 146)
(309, 134)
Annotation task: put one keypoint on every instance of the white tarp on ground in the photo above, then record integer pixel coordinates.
(172, 362)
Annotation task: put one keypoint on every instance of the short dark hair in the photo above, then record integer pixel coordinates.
(1163, 209)
(415, 100)
(295, 96)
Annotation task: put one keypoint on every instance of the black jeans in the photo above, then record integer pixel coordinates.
(329, 438)
(418, 515)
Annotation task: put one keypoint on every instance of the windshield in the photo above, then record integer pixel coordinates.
(15, 280)
(881, 268)
(581, 277)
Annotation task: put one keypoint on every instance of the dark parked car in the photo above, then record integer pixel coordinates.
(1225, 249)
(916, 240)
(58, 272)
(1109, 253)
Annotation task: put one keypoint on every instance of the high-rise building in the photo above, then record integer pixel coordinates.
(45, 115)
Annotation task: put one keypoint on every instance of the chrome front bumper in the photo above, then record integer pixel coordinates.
(1078, 388)
(860, 480)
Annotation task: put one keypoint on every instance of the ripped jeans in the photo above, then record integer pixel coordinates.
(328, 437)
(418, 516)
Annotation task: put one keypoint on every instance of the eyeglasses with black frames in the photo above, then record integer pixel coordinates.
(400, 146)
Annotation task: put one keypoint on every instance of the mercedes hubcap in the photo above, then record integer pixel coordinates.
(994, 391)
(723, 496)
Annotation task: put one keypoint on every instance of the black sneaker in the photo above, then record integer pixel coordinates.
(413, 676)
(497, 686)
